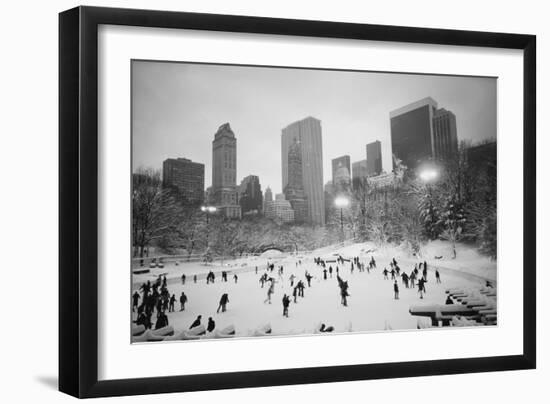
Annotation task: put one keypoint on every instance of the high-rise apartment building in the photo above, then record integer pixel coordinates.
(421, 132)
(374, 158)
(250, 195)
(358, 173)
(308, 133)
(224, 172)
(445, 139)
(187, 178)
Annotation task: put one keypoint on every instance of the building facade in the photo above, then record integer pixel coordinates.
(224, 172)
(359, 173)
(338, 163)
(374, 158)
(250, 195)
(445, 139)
(308, 132)
(279, 209)
(187, 178)
(294, 190)
(421, 132)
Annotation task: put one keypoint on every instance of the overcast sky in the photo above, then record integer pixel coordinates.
(177, 108)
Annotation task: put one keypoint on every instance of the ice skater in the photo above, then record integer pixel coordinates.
(211, 325)
(270, 291)
(183, 300)
(172, 303)
(196, 323)
(437, 277)
(135, 301)
(286, 303)
(223, 303)
(395, 291)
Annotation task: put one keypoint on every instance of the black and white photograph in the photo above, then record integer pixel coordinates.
(281, 201)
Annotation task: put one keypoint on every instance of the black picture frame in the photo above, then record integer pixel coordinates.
(78, 200)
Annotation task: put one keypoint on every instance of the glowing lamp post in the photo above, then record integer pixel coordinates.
(341, 202)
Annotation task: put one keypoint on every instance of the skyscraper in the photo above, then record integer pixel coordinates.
(359, 172)
(338, 163)
(421, 132)
(374, 158)
(268, 197)
(186, 177)
(294, 190)
(224, 172)
(250, 195)
(308, 132)
(446, 142)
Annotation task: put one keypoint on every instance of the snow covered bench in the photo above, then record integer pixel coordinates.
(442, 313)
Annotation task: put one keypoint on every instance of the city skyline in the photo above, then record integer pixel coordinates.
(178, 106)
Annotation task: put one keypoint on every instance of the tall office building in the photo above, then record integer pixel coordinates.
(250, 195)
(446, 142)
(338, 163)
(358, 173)
(308, 133)
(421, 132)
(294, 190)
(224, 172)
(187, 178)
(374, 158)
(268, 197)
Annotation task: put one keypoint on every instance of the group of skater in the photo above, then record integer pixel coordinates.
(155, 298)
(418, 274)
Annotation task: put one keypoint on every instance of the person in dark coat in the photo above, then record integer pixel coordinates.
(183, 279)
(235, 278)
(437, 277)
(308, 277)
(295, 293)
(197, 322)
(194, 278)
(395, 290)
(412, 278)
(301, 288)
(183, 300)
(405, 279)
(286, 303)
(392, 272)
(162, 321)
(223, 303)
(421, 287)
(135, 300)
(325, 274)
(211, 325)
(385, 272)
(172, 303)
(449, 300)
(330, 270)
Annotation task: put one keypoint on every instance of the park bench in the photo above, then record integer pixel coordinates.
(442, 313)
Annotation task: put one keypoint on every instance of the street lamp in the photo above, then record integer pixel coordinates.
(428, 175)
(208, 210)
(341, 202)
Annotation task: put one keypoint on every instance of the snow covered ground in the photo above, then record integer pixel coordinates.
(371, 305)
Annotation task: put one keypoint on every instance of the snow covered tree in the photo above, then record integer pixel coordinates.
(153, 209)
(452, 220)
